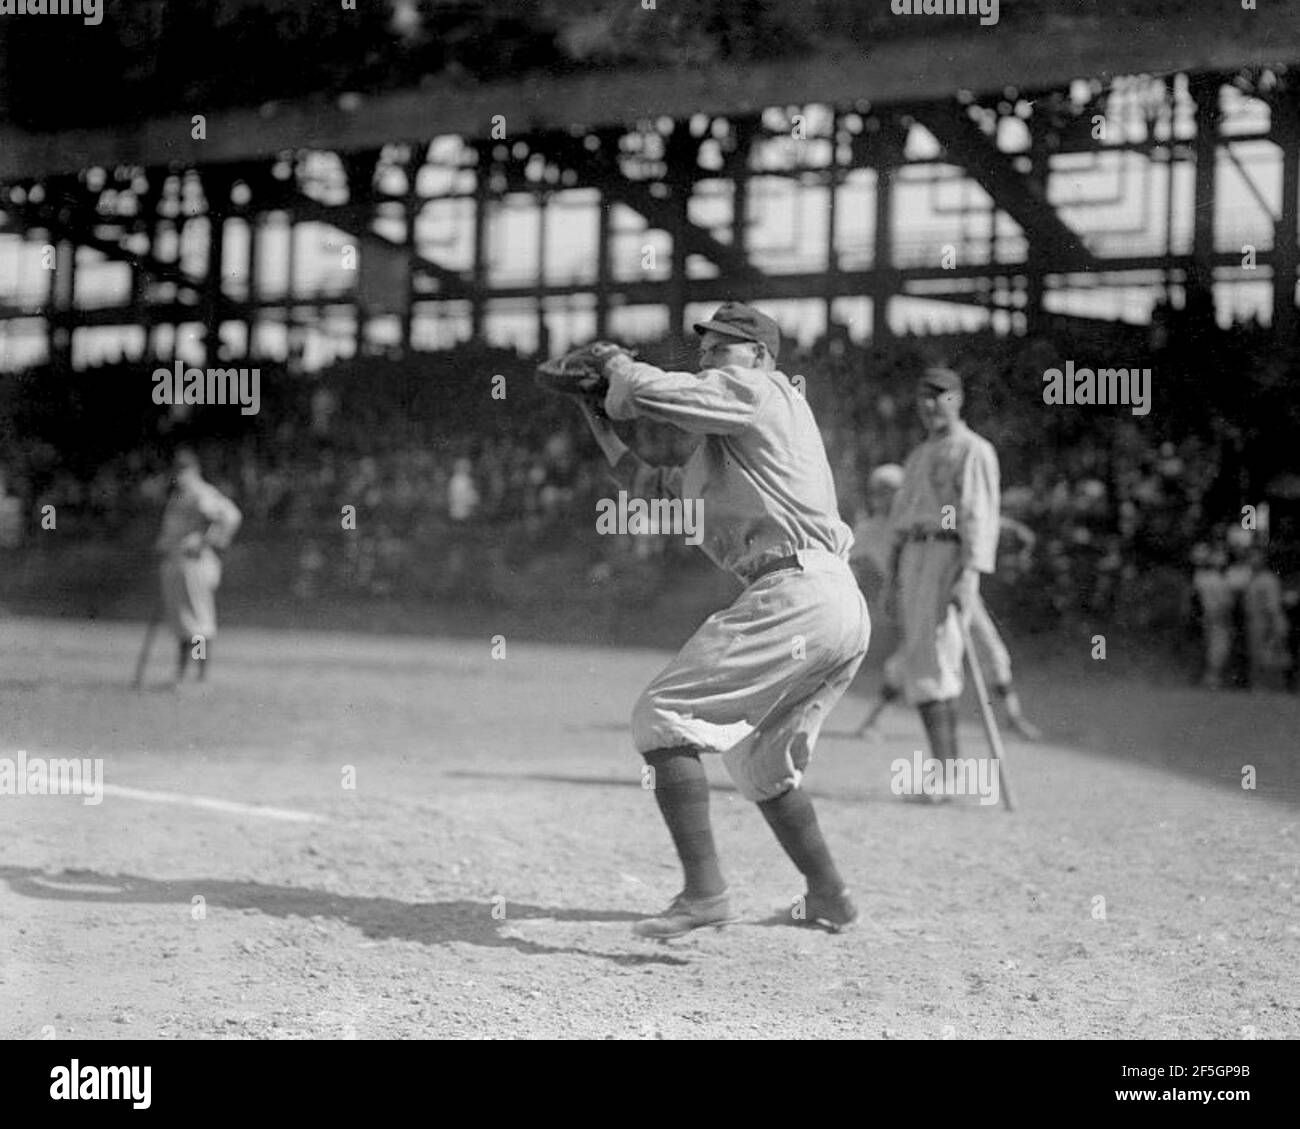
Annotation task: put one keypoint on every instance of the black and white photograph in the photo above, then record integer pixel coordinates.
(651, 520)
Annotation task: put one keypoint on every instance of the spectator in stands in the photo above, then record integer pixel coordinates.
(462, 494)
(1214, 602)
(1267, 628)
(1291, 603)
(12, 526)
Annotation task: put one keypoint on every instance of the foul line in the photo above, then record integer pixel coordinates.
(209, 803)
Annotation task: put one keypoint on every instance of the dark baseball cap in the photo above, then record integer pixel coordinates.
(941, 380)
(735, 319)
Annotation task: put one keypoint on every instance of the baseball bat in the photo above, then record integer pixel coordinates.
(986, 712)
(155, 619)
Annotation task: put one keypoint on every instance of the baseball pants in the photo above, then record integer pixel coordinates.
(757, 680)
(189, 586)
(932, 645)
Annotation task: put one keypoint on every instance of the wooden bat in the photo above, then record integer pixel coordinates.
(155, 619)
(986, 712)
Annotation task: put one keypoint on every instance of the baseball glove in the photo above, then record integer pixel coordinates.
(581, 373)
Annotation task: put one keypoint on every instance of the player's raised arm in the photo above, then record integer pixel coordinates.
(715, 401)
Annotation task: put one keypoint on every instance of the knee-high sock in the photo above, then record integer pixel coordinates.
(793, 820)
(950, 725)
(935, 718)
(681, 790)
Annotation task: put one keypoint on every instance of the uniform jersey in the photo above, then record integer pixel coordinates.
(951, 483)
(197, 507)
(761, 473)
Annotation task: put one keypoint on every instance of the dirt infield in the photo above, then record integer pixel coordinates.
(480, 878)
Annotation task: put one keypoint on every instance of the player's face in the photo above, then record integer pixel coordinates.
(938, 410)
(717, 350)
(879, 499)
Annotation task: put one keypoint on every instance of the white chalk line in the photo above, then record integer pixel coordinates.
(211, 803)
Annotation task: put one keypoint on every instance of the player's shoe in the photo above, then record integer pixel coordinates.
(837, 912)
(684, 914)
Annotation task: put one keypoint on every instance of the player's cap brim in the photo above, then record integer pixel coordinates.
(703, 327)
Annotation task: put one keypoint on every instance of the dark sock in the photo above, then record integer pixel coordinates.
(932, 717)
(793, 820)
(950, 726)
(183, 656)
(681, 790)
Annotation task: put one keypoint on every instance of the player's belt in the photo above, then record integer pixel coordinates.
(932, 535)
(773, 566)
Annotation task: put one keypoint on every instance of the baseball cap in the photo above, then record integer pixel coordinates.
(941, 380)
(886, 475)
(735, 319)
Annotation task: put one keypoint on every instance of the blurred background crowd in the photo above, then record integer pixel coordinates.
(455, 477)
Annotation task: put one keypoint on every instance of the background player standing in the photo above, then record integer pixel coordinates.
(757, 680)
(945, 522)
(198, 523)
(872, 542)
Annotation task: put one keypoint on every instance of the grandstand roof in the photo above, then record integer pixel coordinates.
(273, 70)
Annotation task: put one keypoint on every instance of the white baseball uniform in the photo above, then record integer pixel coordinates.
(758, 678)
(945, 517)
(198, 520)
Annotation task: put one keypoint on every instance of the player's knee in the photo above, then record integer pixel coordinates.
(765, 791)
(775, 791)
(756, 781)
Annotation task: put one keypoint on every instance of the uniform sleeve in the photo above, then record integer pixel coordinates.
(713, 402)
(224, 516)
(977, 521)
(642, 480)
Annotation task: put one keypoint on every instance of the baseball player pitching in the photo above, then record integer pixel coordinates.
(945, 534)
(198, 524)
(872, 542)
(757, 680)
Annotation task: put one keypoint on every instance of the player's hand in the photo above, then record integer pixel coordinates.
(966, 590)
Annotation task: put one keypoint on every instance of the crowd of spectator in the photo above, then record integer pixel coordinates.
(425, 479)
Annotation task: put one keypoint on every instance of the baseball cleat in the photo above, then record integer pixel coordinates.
(837, 912)
(684, 914)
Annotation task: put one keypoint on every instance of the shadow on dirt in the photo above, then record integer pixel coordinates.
(381, 919)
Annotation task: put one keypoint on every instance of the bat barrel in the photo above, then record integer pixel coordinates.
(986, 714)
